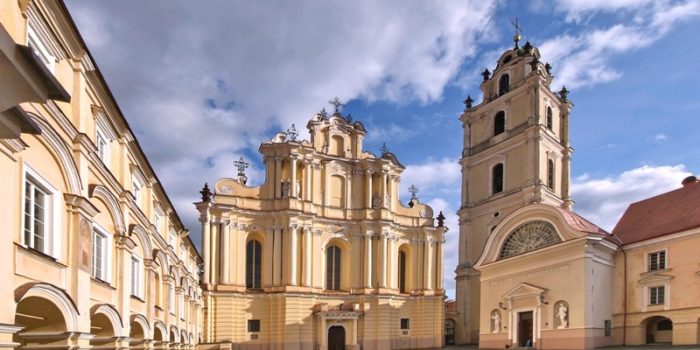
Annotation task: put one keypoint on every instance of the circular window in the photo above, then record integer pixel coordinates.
(527, 237)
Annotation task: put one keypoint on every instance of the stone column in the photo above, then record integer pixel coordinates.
(308, 175)
(368, 260)
(308, 248)
(215, 244)
(355, 272)
(429, 262)
(270, 178)
(384, 191)
(391, 263)
(293, 188)
(382, 259)
(277, 257)
(438, 266)
(278, 177)
(204, 220)
(293, 256)
(268, 258)
(225, 252)
(368, 192)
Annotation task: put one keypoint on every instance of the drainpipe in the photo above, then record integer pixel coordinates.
(624, 299)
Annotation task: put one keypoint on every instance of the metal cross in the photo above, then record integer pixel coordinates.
(337, 104)
(384, 149)
(293, 133)
(241, 164)
(518, 30)
(413, 189)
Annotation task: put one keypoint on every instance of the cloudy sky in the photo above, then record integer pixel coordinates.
(203, 83)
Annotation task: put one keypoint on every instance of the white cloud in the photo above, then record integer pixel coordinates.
(584, 59)
(604, 200)
(436, 177)
(660, 138)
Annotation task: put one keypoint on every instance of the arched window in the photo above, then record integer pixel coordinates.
(337, 188)
(253, 264)
(550, 174)
(527, 237)
(503, 85)
(333, 268)
(549, 118)
(402, 272)
(499, 123)
(157, 285)
(497, 178)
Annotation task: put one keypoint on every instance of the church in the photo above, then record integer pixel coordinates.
(322, 255)
(534, 273)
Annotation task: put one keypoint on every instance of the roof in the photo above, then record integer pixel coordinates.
(667, 213)
(580, 223)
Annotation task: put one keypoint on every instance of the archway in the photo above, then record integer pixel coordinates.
(137, 335)
(38, 316)
(659, 329)
(336, 338)
(101, 326)
(449, 331)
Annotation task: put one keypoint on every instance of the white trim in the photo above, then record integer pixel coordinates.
(102, 152)
(137, 189)
(647, 262)
(39, 47)
(106, 253)
(136, 282)
(52, 225)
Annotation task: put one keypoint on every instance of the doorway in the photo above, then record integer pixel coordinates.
(336, 338)
(525, 337)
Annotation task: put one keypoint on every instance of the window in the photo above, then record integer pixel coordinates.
(656, 295)
(254, 326)
(156, 222)
(157, 286)
(40, 49)
(100, 254)
(550, 174)
(499, 123)
(657, 261)
(253, 266)
(503, 85)
(36, 215)
(137, 186)
(608, 328)
(497, 178)
(135, 276)
(333, 268)
(183, 252)
(182, 306)
(172, 238)
(171, 298)
(550, 120)
(402, 272)
(405, 323)
(102, 146)
(664, 325)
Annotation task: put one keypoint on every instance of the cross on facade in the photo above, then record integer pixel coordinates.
(292, 133)
(337, 104)
(414, 190)
(241, 164)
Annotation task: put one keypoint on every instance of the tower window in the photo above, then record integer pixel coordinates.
(503, 84)
(499, 123)
(497, 178)
(550, 174)
(333, 268)
(402, 272)
(253, 265)
(549, 118)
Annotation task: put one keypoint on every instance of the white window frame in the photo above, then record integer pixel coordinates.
(656, 301)
(52, 220)
(106, 266)
(103, 147)
(182, 306)
(137, 190)
(171, 299)
(35, 42)
(649, 258)
(136, 276)
(172, 239)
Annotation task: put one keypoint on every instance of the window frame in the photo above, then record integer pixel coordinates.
(334, 268)
(136, 281)
(654, 299)
(253, 265)
(106, 268)
(52, 219)
(171, 298)
(551, 174)
(502, 178)
(501, 89)
(549, 119)
(661, 263)
(405, 324)
(40, 49)
(136, 189)
(403, 261)
(502, 130)
(253, 326)
(103, 152)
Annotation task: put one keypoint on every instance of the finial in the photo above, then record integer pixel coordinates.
(517, 36)
(349, 118)
(441, 219)
(468, 102)
(533, 64)
(337, 104)
(206, 194)
(323, 113)
(486, 74)
(292, 133)
(548, 68)
(384, 149)
(528, 47)
(563, 93)
(413, 189)
(241, 164)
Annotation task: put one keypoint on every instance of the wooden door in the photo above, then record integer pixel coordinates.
(525, 337)
(336, 338)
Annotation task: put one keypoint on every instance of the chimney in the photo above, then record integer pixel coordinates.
(689, 180)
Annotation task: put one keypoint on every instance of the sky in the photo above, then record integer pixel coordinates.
(204, 83)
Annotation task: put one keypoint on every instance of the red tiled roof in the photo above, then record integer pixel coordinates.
(580, 223)
(664, 214)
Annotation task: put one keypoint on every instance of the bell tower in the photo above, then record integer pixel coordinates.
(516, 152)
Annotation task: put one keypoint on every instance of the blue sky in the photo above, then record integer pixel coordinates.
(204, 85)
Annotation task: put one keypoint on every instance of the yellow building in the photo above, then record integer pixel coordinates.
(322, 255)
(95, 255)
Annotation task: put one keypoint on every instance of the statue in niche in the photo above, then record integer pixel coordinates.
(297, 188)
(563, 316)
(375, 201)
(496, 317)
(285, 188)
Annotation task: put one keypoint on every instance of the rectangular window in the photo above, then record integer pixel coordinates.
(36, 215)
(657, 261)
(656, 295)
(34, 42)
(608, 328)
(102, 146)
(136, 186)
(405, 323)
(254, 326)
(135, 276)
(156, 222)
(172, 239)
(99, 255)
(171, 299)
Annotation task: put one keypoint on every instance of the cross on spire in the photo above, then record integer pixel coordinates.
(414, 190)
(337, 104)
(518, 31)
(241, 164)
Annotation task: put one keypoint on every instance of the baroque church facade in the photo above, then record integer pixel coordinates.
(322, 255)
(532, 272)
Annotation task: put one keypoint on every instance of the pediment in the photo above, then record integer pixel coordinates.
(655, 278)
(524, 290)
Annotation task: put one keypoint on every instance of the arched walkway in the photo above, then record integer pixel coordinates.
(659, 330)
(46, 314)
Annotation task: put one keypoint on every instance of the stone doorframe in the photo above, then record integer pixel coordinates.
(338, 317)
(535, 294)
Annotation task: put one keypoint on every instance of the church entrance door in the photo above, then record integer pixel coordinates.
(525, 329)
(336, 338)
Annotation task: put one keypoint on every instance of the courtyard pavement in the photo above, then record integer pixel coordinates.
(639, 347)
